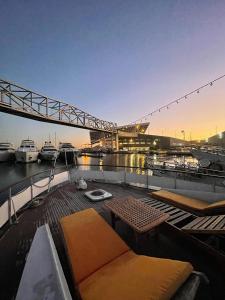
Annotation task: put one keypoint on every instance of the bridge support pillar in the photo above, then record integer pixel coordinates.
(117, 141)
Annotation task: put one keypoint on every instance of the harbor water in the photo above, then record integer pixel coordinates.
(12, 172)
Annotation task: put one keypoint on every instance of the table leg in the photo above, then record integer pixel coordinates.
(113, 219)
(136, 240)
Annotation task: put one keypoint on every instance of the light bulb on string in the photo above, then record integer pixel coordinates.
(183, 97)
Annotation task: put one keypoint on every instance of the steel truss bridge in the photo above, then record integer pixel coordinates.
(20, 101)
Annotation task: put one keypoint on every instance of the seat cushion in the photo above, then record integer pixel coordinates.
(136, 277)
(219, 205)
(90, 242)
(180, 200)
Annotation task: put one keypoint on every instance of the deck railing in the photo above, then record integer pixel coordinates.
(22, 192)
(153, 177)
(16, 196)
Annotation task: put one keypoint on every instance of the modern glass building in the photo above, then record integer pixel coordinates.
(133, 138)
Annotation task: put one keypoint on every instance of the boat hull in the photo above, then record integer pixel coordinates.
(206, 158)
(7, 155)
(68, 156)
(49, 156)
(26, 156)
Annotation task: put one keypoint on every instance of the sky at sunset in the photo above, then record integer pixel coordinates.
(117, 60)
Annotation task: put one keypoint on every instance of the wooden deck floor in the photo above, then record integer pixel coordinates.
(15, 243)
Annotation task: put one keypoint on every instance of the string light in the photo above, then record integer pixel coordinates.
(180, 99)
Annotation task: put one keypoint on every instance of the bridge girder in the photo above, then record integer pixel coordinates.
(20, 101)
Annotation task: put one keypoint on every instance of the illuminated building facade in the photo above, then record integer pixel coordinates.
(133, 138)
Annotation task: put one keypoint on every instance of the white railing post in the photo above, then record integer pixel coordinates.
(10, 205)
(31, 188)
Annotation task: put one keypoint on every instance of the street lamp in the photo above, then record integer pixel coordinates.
(183, 132)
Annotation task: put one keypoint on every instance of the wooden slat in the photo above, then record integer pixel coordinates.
(180, 213)
(155, 204)
(174, 211)
(205, 222)
(193, 223)
(150, 201)
(165, 206)
(183, 217)
(159, 205)
(170, 208)
(221, 224)
(213, 225)
(207, 225)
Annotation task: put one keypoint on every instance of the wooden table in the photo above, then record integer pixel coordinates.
(141, 217)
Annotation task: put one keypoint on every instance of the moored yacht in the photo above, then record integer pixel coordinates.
(7, 151)
(49, 151)
(67, 152)
(210, 159)
(27, 152)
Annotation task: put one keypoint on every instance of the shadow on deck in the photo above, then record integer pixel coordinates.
(16, 242)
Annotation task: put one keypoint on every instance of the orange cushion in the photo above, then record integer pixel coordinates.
(180, 200)
(90, 242)
(218, 204)
(136, 277)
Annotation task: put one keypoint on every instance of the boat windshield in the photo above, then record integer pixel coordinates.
(48, 149)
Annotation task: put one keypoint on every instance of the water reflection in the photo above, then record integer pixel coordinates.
(13, 172)
(110, 160)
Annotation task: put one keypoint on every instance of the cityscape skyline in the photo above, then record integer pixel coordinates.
(117, 61)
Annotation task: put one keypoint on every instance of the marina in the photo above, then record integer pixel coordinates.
(112, 150)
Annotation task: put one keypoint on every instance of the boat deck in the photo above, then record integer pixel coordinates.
(15, 243)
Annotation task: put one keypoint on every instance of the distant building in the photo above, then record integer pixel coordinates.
(217, 139)
(133, 138)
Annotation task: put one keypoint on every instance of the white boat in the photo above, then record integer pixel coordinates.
(209, 159)
(27, 152)
(67, 152)
(49, 152)
(7, 151)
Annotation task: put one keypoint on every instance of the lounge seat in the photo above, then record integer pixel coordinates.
(104, 267)
(190, 204)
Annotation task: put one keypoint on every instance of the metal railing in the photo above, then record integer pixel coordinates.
(147, 174)
(30, 182)
(21, 101)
